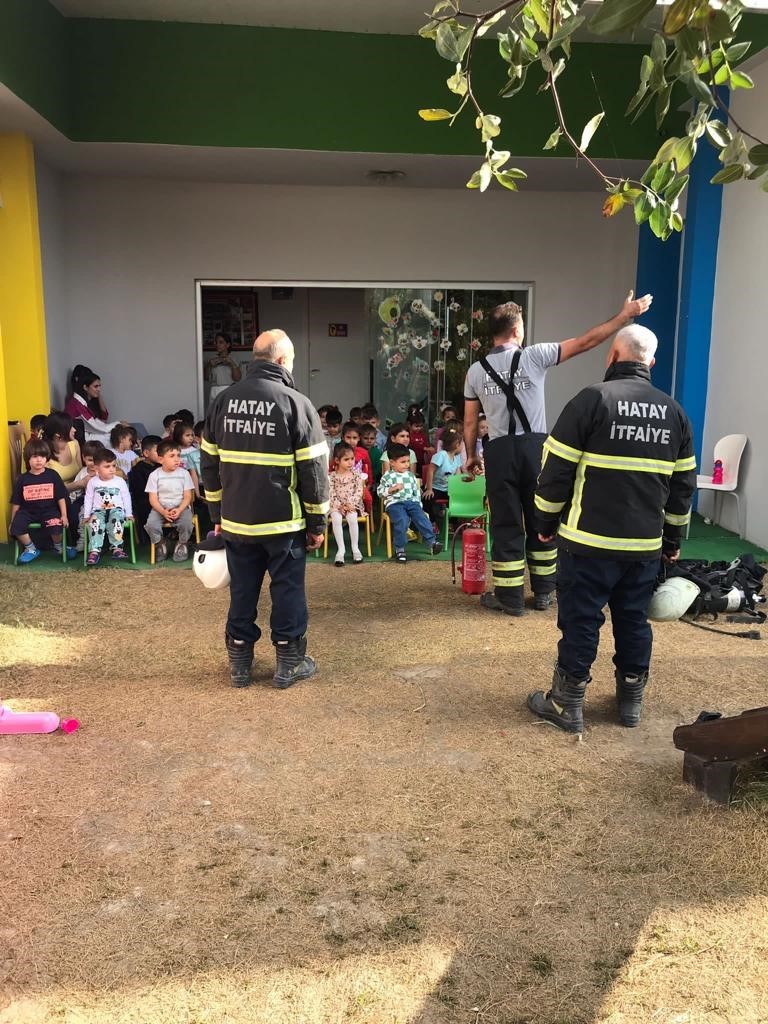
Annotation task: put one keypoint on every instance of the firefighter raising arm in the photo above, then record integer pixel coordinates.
(597, 335)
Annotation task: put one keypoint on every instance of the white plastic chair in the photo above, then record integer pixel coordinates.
(728, 450)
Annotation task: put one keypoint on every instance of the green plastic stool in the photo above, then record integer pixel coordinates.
(466, 500)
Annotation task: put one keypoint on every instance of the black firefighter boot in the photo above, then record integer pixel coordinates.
(240, 654)
(562, 705)
(629, 697)
(293, 663)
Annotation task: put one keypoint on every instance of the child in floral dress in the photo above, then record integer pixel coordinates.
(346, 502)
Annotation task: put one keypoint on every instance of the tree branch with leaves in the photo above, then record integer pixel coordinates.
(696, 50)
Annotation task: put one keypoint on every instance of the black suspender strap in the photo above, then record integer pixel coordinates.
(508, 388)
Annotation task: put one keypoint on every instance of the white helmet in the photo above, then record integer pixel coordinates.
(672, 599)
(210, 564)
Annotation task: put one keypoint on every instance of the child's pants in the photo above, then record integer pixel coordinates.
(156, 522)
(106, 522)
(403, 512)
(337, 522)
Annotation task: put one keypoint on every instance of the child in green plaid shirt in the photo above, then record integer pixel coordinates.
(401, 492)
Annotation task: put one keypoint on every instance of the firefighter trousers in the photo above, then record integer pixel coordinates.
(512, 466)
(585, 585)
(284, 557)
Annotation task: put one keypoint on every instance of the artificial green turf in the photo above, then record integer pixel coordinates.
(712, 543)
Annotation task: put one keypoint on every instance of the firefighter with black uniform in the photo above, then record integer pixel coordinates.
(615, 489)
(264, 465)
(509, 385)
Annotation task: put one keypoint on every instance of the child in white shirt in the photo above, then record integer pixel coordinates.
(171, 492)
(106, 508)
(123, 440)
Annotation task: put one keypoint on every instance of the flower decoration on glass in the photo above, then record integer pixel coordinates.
(461, 355)
(461, 329)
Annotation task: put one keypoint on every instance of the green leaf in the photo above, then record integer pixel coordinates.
(646, 67)
(666, 150)
(659, 219)
(741, 81)
(505, 48)
(643, 105)
(718, 133)
(540, 15)
(705, 65)
(687, 42)
(722, 74)
(474, 181)
(677, 221)
(590, 128)
(636, 99)
(733, 172)
(458, 83)
(553, 139)
(658, 49)
(735, 53)
(490, 126)
(499, 158)
(486, 174)
(758, 155)
(764, 186)
(509, 179)
(757, 172)
(491, 22)
(683, 153)
(617, 15)
(662, 104)
(630, 193)
(677, 16)
(443, 5)
(663, 177)
(643, 209)
(429, 31)
(697, 88)
(671, 192)
(445, 42)
(718, 24)
(565, 31)
(435, 114)
(514, 85)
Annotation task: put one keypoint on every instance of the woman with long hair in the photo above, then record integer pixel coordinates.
(86, 402)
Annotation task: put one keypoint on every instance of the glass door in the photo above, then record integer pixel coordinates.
(423, 340)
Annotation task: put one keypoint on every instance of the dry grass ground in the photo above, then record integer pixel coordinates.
(395, 841)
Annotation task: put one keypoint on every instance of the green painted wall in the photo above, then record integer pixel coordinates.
(222, 85)
(33, 57)
(231, 86)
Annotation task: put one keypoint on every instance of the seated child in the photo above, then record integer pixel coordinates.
(399, 434)
(122, 440)
(39, 496)
(89, 469)
(401, 493)
(171, 493)
(169, 422)
(350, 434)
(184, 436)
(443, 464)
(137, 484)
(333, 421)
(107, 507)
(346, 501)
(370, 416)
(482, 435)
(368, 441)
(447, 413)
(356, 416)
(37, 426)
(419, 439)
(186, 416)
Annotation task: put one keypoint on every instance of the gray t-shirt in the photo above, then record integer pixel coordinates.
(169, 487)
(528, 385)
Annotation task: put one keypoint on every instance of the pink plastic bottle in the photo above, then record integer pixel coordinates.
(717, 473)
(12, 723)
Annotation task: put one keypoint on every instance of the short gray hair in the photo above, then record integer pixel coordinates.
(270, 345)
(638, 343)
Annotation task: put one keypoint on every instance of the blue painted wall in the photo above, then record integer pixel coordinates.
(658, 272)
(697, 290)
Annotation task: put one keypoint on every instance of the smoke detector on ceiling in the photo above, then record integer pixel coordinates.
(385, 177)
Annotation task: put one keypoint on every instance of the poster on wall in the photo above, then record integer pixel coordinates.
(232, 312)
(337, 330)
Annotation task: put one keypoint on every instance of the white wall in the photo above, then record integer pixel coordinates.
(50, 216)
(736, 397)
(133, 250)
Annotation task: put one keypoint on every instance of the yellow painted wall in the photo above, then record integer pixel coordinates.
(24, 388)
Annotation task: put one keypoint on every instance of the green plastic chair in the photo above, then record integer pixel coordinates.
(466, 500)
(129, 523)
(38, 526)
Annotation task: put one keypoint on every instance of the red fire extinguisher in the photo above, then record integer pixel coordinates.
(472, 566)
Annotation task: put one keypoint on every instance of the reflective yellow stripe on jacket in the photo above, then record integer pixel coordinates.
(262, 529)
(595, 540)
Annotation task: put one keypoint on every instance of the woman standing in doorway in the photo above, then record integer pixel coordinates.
(222, 370)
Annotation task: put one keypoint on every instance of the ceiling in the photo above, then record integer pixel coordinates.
(384, 16)
(278, 166)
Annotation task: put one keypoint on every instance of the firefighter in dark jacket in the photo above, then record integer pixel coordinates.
(615, 487)
(264, 465)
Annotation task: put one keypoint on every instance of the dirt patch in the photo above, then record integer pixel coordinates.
(395, 841)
